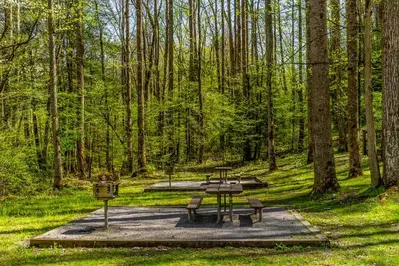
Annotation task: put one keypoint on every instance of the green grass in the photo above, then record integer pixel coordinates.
(362, 223)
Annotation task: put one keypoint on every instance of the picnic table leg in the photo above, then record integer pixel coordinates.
(219, 203)
(225, 207)
(231, 207)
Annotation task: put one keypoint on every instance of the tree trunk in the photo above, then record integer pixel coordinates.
(353, 98)
(337, 76)
(324, 165)
(269, 85)
(300, 80)
(390, 55)
(54, 105)
(127, 89)
(142, 161)
(309, 85)
(231, 43)
(80, 90)
(376, 180)
(280, 33)
(171, 140)
(201, 113)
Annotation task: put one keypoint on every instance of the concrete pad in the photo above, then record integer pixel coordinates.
(252, 183)
(169, 226)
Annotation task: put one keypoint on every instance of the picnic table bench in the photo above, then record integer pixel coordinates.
(257, 206)
(192, 206)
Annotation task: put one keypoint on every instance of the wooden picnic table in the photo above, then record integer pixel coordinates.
(223, 172)
(224, 189)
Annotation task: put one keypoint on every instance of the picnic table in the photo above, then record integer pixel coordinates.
(224, 189)
(223, 172)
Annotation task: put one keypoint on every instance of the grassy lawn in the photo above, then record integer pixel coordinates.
(362, 224)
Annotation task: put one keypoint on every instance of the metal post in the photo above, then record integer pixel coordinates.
(106, 213)
(170, 180)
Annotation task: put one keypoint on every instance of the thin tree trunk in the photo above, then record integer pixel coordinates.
(142, 161)
(390, 55)
(309, 85)
(171, 137)
(353, 99)
(231, 43)
(324, 165)
(103, 77)
(128, 91)
(280, 33)
(300, 81)
(269, 85)
(201, 113)
(376, 180)
(337, 76)
(54, 105)
(80, 90)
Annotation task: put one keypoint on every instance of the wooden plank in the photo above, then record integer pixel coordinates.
(212, 189)
(255, 203)
(223, 168)
(195, 203)
(236, 189)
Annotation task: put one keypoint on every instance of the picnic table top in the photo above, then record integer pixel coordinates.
(224, 189)
(223, 168)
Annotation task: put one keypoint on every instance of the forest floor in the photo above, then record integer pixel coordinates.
(361, 223)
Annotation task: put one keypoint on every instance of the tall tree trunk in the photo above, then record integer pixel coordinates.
(201, 113)
(80, 89)
(309, 85)
(216, 40)
(390, 55)
(223, 49)
(337, 76)
(269, 85)
(128, 90)
(237, 21)
(280, 33)
(54, 105)
(324, 165)
(171, 137)
(300, 81)
(142, 161)
(231, 43)
(353, 99)
(376, 180)
(103, 77)
(294, 84)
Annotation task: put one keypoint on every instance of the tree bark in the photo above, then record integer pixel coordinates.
(54, 105)
(324, 166)
(353, 98)
(269, 86)
(376, 180)
(80, 89)
(390, 55)
(142, 161)
(300, 81)
(337, 76)
(309, 85)
(127, 89)
(108, 164)
(201, 113)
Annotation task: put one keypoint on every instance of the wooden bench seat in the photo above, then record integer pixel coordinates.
(257, 206)
(192, 206)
